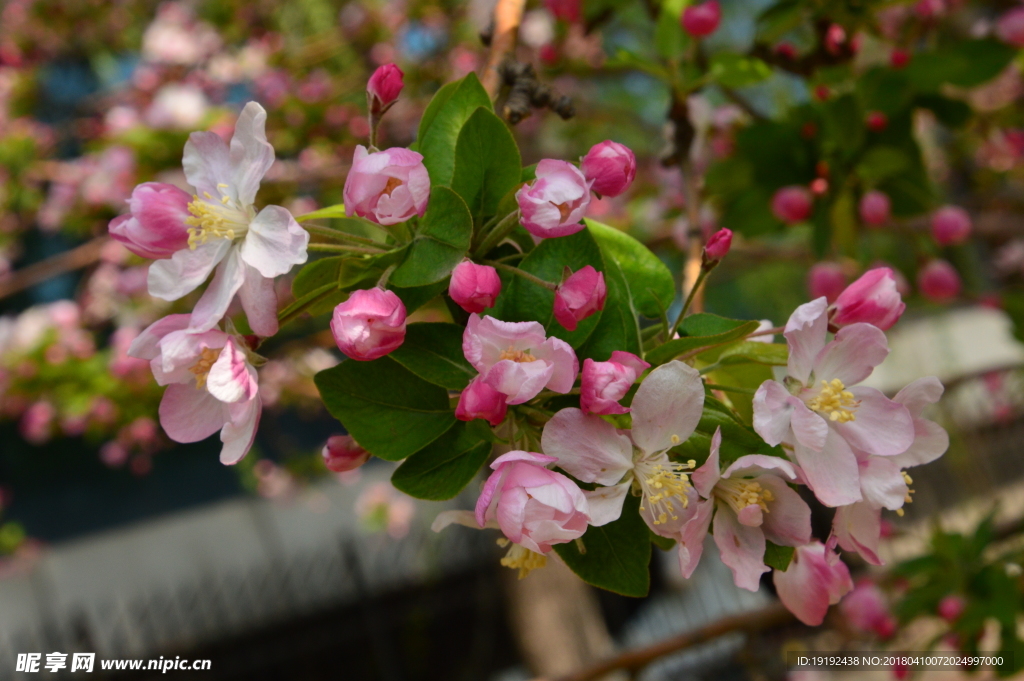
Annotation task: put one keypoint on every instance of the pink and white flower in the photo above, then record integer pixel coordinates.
(873, 299)
(157, 224)
(211, 384)
(813, 581)
(556, 201)
(474, 287)
(248, 249)
(387, 187)
(603, 384)
(666, 409)
(610, 167)
(517, 359)
(752, 502)
(820, 411)
(866, 609)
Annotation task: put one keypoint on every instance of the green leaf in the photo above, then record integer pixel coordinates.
(487, 163)
(663, 543)
(779, 19)
(670, 41)
(433, 351)
(778, 557)
(314, 281)
(966, 63)
(522, 300)
(444, 117)
(441, 469)
(617, 329)
(738, 439)
(773, 354)
(950, 112)
(700, 330)
(617, 554)
(415, 297)
(734, 70)
(650, 281)
(440, 243)
(388, 410)
(335, 211)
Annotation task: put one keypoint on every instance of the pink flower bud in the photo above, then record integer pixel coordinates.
(579, 296)
(703, 19)
(603, 384)
(876, 121)
(718, 245)
(1010, 27)
(835, 36)
(930, 9)
(874, 208)
(826, 279)
(786, 50)
(899, 58)
(370, 324)
(566, 10)
(950, 225)
(156, 226)
(481, 401)
(474, 287)
(792, 204)
(384, 87)
(556, 201)
(951, 607)
(939, 282)
(866, 609)
(872, 299)
(387, 187)
(610, 167)
(342, 453)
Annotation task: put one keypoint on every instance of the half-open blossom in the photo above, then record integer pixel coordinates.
(666, 409)
(821, 411)
(517, 359)
(1010, 27)
(533, 506)
(603, 384)
(383, 87)
(480, 401)
(792, 204)
(872, 299)
(866, 609)
(579, 296)
(610, 167)
(387, 187)
(812, 582)
(702, 19)
(211, 384)
(939, 281)
(474, 287)
(370, 324)
(556, 201)
(157, 224)
(751, 503)
(826, 279)
(718, 245)
(247, 248)
(883, 481)
(342, 453)
(875, 208)
(951, 225)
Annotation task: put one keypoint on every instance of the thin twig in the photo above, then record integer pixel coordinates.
(635, 660)
(521, 273)
(508, 14)
(62, 263)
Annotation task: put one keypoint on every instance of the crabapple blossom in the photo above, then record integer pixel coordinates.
(211, 383)
(582, 294)
(751, 502)
(939, 281)
(820, 411)
(603, 384)
(813, 581)
(556, 201)
(875, 208)
(951, 607)
(702, 19)
(387, 187)
(666, 409)
(826, 279)
(248, 249)
(157, 223)
(872, 299)
(383, 87)
(342, 453)
(951, 225)
(517, 359)
(474, 287)
(610, 167)
(792, 204)
(370, 324)
(866, 609)
(480, 401)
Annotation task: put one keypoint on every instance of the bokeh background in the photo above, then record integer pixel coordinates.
(117, 541)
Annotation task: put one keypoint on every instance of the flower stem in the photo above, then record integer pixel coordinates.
(290, 313)
(689, 299)
(337, 235)
(496, 235)
(383, 281)
(343, 248)
(521, 273)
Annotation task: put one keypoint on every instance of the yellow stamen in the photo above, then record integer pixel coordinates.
(393, 183)
(663, 485)
(202, 367)
(221, 220)
(521, 558)
(835, 401)
(563, 210)
(742, 493)
(517, 355)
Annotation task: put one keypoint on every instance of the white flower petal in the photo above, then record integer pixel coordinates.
(667, 407)
(275, 242)
(179, 275)
(251, 154)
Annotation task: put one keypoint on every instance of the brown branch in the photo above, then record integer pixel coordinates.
(508, 14)
(635, 660)
(68, 261)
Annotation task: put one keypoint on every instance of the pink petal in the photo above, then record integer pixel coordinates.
(788, 520)
(832, 474)
(811, 584)
(741, 548)
(805, 333)
(707, 476)
(692, 535)
(231, 377)
(667, 407)
(189, 414)
(239, 433)
(930, 442)
(564, 364)
(881, 483)
(179, 275)
(275, 242)
(207, 164)
(147, 344)
(217, 297)
(773, 409)
(486, 338)
(809, 429)
(852, 356)
(587, 447)
(882, 426)
(521, 381)
(858, 527)
(918, 395)
(251, 155)
(519, 455)
(606, 503)
(259, 302)
(757, 464)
